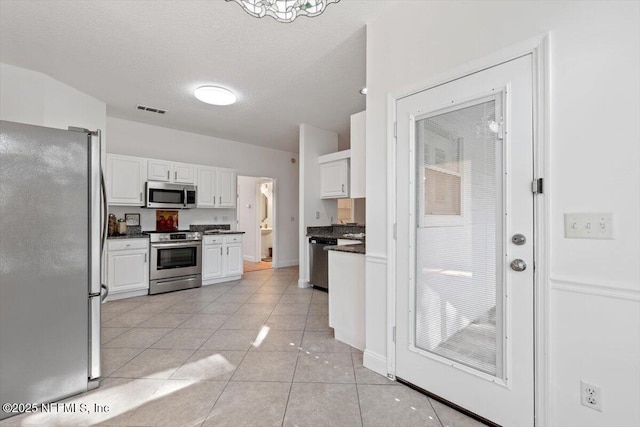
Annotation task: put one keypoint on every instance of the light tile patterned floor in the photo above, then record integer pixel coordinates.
(258, 352)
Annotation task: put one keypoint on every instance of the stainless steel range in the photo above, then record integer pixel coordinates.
(176, 261)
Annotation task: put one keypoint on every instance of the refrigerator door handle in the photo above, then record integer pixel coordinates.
(105, 294)
(94, 338)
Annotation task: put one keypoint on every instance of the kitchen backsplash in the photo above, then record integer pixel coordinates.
(187, 217)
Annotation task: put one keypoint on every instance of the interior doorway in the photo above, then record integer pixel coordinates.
(257, 218)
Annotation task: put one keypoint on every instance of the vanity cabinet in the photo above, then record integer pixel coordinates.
(128, 267)
(165, 171)
(222, 259)
(334, 179)
(125, 180)
(216, 187)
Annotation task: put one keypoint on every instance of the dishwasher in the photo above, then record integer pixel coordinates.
(319, 261)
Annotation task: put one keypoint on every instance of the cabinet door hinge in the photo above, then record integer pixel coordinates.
(537, 186)
(395, 231)
(395, 129)
(394, 334)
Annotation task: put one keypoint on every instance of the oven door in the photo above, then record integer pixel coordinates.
(175, 259)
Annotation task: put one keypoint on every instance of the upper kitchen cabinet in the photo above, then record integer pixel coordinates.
(206, 195)
(334, 178)
(184, 173)
(125, 180)
(227, 188)
(164, 171)
(158, 170)
(216, 187)
(342, 174)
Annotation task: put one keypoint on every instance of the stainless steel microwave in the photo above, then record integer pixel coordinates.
(176, 196)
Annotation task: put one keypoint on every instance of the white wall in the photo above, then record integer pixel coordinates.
(138, 139)
(247, 211)
(314, 143)
(35, 98)
(594, 156)
(186, 217)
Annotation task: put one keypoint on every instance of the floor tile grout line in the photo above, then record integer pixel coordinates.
(295, 368)
(434, 411)
(357, 391)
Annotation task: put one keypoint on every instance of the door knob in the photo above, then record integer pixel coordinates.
(518, 265)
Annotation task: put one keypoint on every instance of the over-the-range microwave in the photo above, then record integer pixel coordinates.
(176, 196)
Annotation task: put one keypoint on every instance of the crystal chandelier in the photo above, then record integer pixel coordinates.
(284, 10)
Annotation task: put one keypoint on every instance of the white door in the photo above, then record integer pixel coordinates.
(464, 316)
(128, 270)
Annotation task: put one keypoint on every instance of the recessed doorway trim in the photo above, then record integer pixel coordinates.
(538, 47)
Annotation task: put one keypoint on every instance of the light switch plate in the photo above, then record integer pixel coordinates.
(594, 225)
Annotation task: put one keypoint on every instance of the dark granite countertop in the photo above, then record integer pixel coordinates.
(219, 232)
(354, 249)
(129, 236)
(337, 231)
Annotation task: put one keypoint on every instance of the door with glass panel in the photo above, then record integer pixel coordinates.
(464, 261)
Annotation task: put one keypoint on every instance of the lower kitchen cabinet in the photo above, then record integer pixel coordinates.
(221, 258)
(127, 267)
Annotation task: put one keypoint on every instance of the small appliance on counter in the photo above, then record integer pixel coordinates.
(113, 225)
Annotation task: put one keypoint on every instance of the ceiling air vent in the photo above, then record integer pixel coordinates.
(151, 109)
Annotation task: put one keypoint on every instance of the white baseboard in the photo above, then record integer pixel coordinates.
(283, 264)
(303, 284)
(123, 295)
(375, 362)
(249, 258)
(220, 280)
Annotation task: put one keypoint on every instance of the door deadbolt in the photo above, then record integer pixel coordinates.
(519, 239)
(518, 265)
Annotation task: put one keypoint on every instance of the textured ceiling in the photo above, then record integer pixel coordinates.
(155, 53)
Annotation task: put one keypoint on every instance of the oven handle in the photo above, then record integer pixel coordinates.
(175, 245)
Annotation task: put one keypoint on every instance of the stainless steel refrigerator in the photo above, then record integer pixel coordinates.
(52, 213)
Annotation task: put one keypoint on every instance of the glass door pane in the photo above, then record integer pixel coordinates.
(459, 235)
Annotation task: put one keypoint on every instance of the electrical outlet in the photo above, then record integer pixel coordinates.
(591, 396)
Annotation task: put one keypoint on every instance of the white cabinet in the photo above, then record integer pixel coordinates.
(125, 180)
(128, 266)
(165, 171)
(216, 187)
(212, 260)
(234, 260)
(226, 186)
(206, 187)
(158, 170)
(222, 259)
(334, 179)
(184, 173)
(126, 177)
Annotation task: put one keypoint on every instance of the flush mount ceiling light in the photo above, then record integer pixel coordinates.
(215, 95)
(284, 10)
